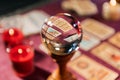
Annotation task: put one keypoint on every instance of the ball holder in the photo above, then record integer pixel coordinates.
(61, 34)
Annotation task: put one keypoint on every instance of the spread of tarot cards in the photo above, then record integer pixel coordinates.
(98, 57)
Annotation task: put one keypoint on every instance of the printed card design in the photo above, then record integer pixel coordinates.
(108, 53)
(115, 39)
(49, 36)
(62, 24)
(90, 42)
(92, 70)
(71, 38)
(53, 32)
(97, 28)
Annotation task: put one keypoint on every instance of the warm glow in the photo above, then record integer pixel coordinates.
(11, 32)
(57, 48)
(113, 2)
(20, 51)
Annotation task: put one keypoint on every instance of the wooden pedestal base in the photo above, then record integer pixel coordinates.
(62, 73)
(56, 76)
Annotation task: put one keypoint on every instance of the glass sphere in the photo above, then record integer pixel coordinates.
(61, 34)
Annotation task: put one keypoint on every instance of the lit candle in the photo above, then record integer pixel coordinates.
(12, 37)
(111, 10)
(22, 59)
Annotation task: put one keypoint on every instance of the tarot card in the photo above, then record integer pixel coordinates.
(81, 7)
(11, 21)
(108, 53)
(91, 70)
(61, 24)
(97, 28)
(89, 43)
(33, 22)
(115, 39)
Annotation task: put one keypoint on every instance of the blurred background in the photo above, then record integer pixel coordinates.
(10, 6)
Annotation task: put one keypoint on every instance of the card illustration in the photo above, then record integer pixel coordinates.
(89, 43)
(108, 53)
(97, 28)
(91, 70)
(115, 39)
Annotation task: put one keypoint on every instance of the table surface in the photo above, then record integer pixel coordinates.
(43, 63)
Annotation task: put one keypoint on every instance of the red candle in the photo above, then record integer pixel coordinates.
(22, 59)
(12, 37)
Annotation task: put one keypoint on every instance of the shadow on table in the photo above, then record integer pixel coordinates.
(38, 74)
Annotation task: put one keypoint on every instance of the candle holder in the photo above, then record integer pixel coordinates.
(61, 34)
(22, 60)
(111, 10)
(12, 37)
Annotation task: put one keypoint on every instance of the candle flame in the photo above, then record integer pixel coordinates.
(20, 51)
(11, 32)
(113, 2)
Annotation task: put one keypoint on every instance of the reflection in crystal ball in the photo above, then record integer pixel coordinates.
(61, 34)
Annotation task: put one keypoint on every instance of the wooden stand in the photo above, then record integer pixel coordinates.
(62, 73)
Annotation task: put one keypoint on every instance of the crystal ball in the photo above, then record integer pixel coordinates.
(61, 34)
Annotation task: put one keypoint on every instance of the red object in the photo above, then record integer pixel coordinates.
(12, 37)
(22, 59)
